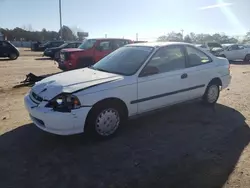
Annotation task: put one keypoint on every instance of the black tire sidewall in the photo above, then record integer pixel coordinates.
(93, 114)
(205, 96)
(13, 58)
(247, 58)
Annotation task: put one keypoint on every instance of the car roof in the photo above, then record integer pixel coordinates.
(158, 44)
(108, 39)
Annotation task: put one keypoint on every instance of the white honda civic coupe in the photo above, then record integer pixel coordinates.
(132, 80)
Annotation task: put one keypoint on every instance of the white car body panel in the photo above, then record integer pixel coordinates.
(238, 54)
(140, 94)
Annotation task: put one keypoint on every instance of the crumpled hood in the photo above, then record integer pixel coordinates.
(72, 81)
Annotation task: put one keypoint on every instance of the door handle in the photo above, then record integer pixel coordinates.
(183, 76)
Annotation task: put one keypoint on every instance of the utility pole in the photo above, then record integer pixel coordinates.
(136, 36)
(182, 34)
(60, 14)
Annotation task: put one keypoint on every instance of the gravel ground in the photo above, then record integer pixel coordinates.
(188, 145)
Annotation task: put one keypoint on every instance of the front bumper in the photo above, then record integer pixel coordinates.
(62, 66)
(56, 122)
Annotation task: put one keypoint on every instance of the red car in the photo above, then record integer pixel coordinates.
(89, 52)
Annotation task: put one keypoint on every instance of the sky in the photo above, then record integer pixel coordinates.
(125, 18)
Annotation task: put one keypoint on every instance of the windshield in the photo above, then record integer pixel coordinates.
(87, 44)
(45, 44)
(125, 60)
(63, 45)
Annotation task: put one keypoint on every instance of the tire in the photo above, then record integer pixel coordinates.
(212, 93)
(105, 120)
(13, 56)
(56, 56)
(247, 58)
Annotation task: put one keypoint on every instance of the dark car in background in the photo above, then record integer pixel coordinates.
(54, 52)
(8, 50)
(50, 44)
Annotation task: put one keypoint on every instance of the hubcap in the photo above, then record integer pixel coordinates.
(107, 122)
(212, 94)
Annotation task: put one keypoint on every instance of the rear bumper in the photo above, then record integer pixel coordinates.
(226, 80)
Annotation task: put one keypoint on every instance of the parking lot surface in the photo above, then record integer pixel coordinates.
(188, 145)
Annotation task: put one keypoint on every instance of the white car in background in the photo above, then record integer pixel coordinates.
(132, 80)
(235, 52)
(209, 46)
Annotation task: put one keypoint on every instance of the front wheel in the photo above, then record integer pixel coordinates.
(104, 121)
(247, 58)
(211, 94)
(13, 56)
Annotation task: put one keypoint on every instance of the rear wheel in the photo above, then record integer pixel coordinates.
(13, 56)
(212, 93)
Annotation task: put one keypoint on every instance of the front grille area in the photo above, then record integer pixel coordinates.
(37, 121)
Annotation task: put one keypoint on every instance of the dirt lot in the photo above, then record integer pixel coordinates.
(184, 146)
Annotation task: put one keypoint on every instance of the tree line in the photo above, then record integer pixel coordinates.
(201, 38)
(24, 34)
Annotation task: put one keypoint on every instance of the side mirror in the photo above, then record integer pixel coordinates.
(149, 70)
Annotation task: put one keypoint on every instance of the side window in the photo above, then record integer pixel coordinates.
(105, 45)
(196, 57)
(77, 45)
(119, 43)
(71, 45)
(241, 47)
(168, 59)
(234, 47)
(53, 44)
(3, 44)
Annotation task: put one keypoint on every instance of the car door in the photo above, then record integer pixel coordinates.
(233, 53)
(200, 68)
(103, 48)
(4, 49)
(242, 52)
(168, 85)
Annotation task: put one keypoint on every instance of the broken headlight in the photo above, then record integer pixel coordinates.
(64, 103)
